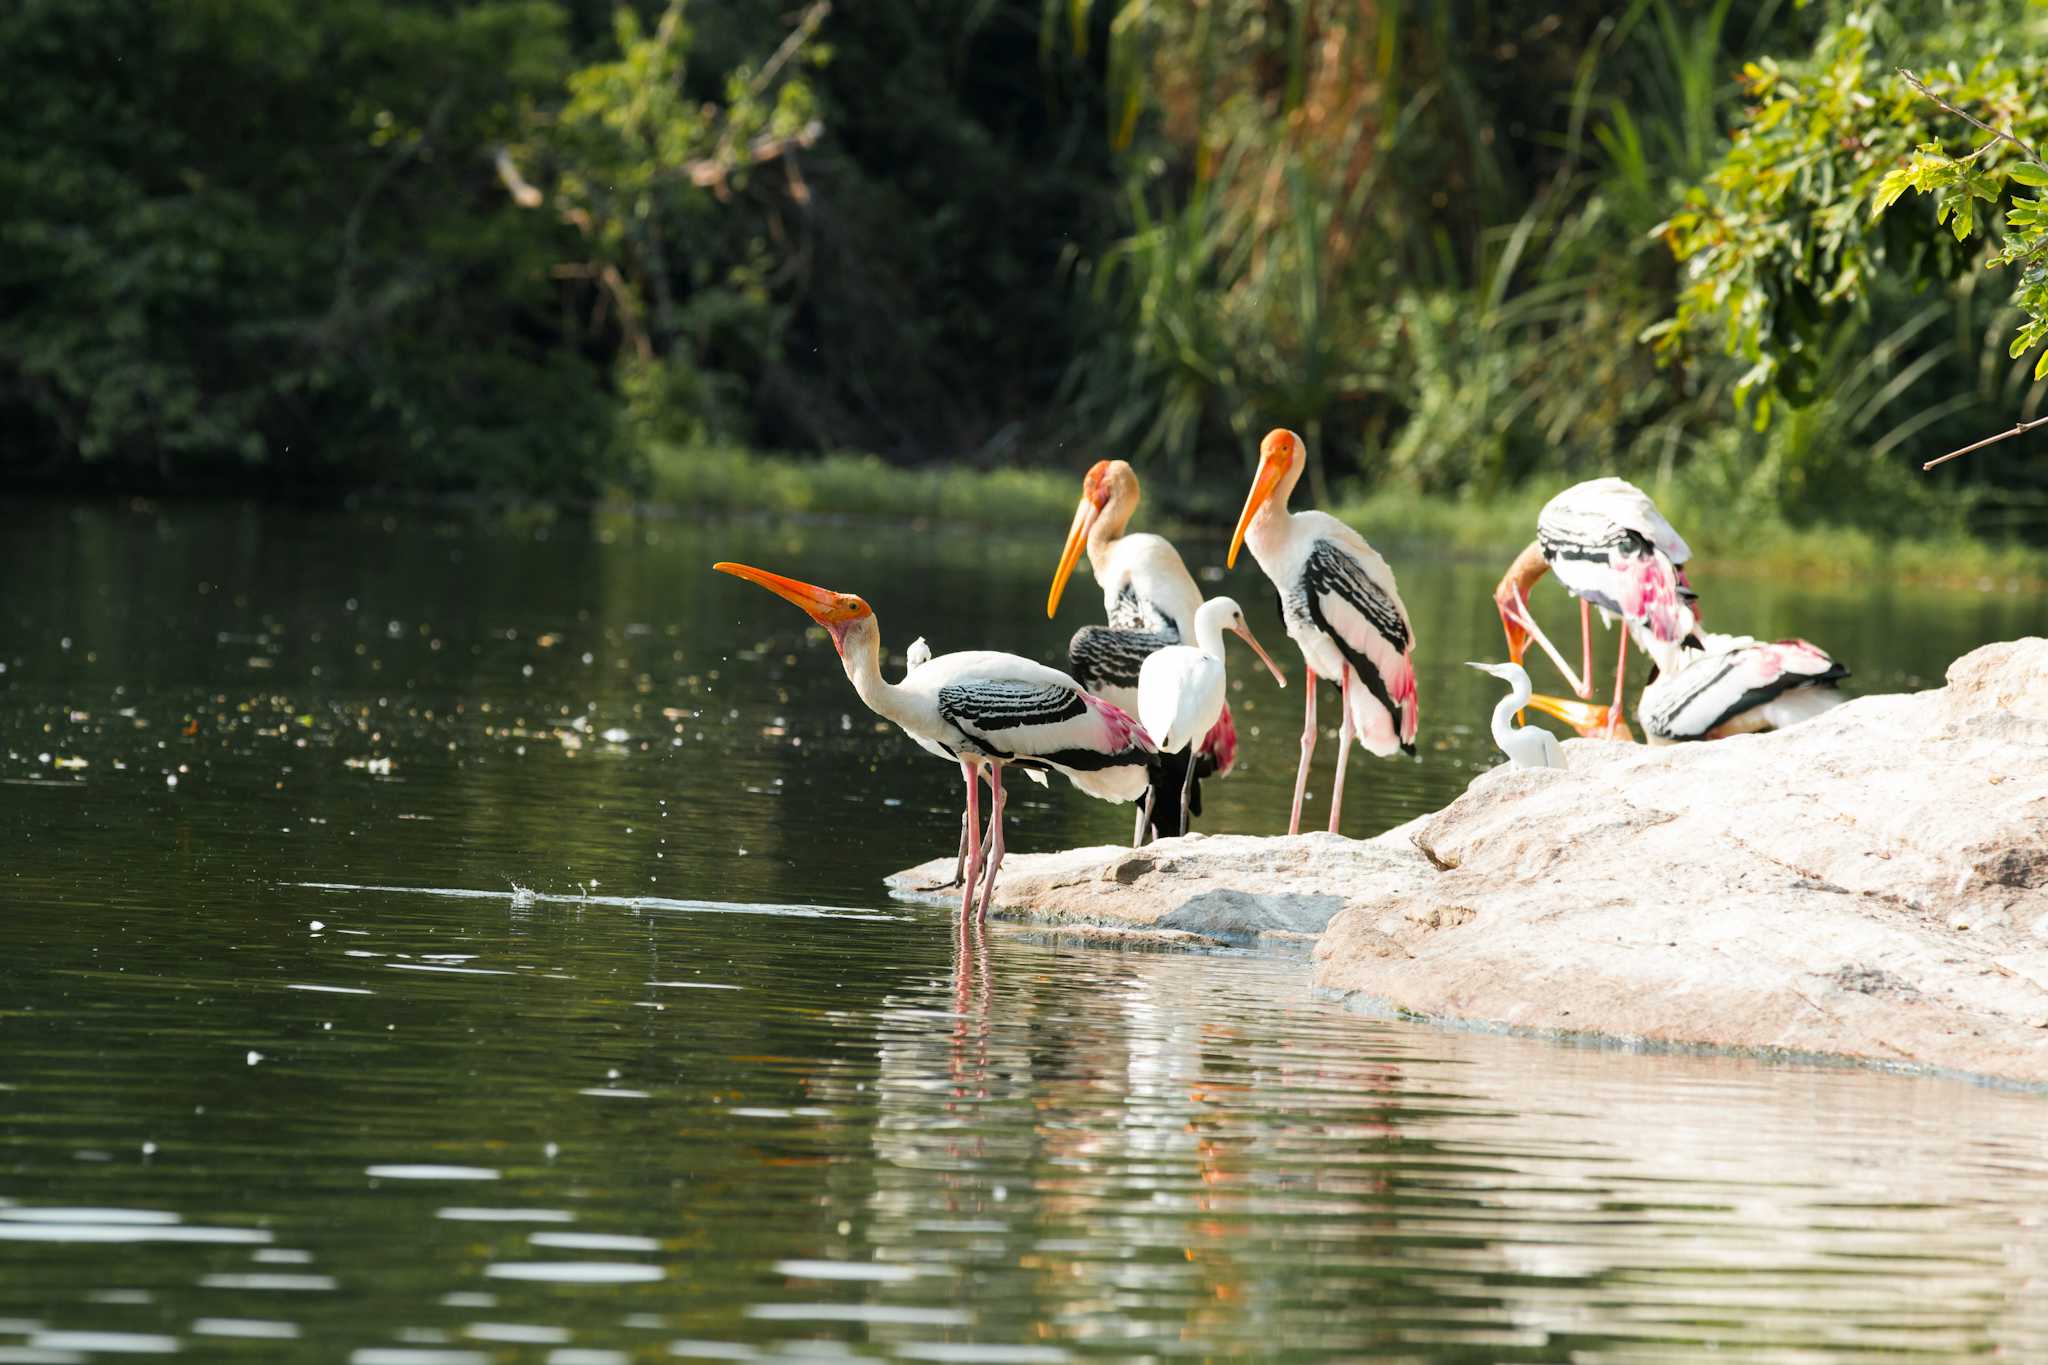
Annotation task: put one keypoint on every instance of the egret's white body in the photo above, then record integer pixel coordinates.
(1527, 746)
(1342, 609)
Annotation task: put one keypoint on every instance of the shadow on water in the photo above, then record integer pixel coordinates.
(435, 944)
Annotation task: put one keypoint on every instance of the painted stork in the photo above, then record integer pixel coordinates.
(1527, 746)
(1180, 688)
(1149, 599)
(1612, 549)
(1733, 685)
(984, 710)
(1338, 598)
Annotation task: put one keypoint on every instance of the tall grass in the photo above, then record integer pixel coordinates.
(722, 481)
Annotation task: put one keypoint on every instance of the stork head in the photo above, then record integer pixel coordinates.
(1282, 457)
(838, 612)
(1109, 494)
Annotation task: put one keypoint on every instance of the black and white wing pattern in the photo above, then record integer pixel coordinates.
(1607, 542)
(1739, 685)
(1105, 659)
(1340, 612)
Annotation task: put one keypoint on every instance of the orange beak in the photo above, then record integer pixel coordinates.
(1518, 638)
(1245, 633)
(832, 610)
(1588, 719)
(1272, 469)
(1077, 540)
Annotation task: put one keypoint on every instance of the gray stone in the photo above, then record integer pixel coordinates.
(1872, 884)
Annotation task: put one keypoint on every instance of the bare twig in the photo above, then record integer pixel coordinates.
(2017, 429)
(1971, 119)
(798, 36)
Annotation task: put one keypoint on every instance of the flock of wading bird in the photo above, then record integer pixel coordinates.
(1141, 716)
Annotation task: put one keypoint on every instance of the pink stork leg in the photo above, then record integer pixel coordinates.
(1343, 745)
(994, 842)
(973, 870)
(1620, 672)
(1585, 685)
(1308, 749)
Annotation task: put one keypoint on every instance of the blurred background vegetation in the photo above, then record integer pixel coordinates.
(559, 248)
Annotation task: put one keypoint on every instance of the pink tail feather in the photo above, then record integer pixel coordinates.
(1650, 595)
(1122, 732)
(1219, 746)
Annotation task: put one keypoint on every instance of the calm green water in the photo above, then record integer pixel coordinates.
(287, 1073)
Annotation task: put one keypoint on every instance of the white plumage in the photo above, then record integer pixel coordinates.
(1612, 549)
(1338, 598)
(1149, 600)
(1527, 746)
(984, 709)
(1740, 685)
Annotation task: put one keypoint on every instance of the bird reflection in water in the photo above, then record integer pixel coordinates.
(971, 998)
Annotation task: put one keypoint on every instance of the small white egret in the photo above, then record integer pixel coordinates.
(1527, 746)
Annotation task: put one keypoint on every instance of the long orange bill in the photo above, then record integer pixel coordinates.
(818, 603)
(1268, 478)
(1587, 718)
(1260, 650)
(1070, 554)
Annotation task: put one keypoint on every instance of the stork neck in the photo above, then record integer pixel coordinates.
(861, 654)
(1109, 529)
(1504, 713)
(1521, 576)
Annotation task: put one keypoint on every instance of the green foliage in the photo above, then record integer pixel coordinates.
(1801, 221)
(332, 290)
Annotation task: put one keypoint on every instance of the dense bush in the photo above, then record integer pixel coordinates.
(516, 244)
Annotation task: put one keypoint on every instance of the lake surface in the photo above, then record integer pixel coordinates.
(288, 1072)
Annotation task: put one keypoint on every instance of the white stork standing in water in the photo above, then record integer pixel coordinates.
(1731, 685)
(1338, 598)
(984, 710)
(1150, 600)
(1612, 549)
(1180, 688)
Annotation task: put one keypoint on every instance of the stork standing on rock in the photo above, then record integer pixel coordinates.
(984, 710)
(1612, 549)
(1150, 600)
(1338, 598)
(1180, 689)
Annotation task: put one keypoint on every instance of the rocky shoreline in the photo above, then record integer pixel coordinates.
(1872, 884)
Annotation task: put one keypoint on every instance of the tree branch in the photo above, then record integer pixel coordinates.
(2017, 429)
(1972, 119)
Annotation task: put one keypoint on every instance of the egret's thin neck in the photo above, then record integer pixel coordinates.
(1504, 714)
(1209, 633)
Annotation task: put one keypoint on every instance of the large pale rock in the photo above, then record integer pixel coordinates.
(1873, 884)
